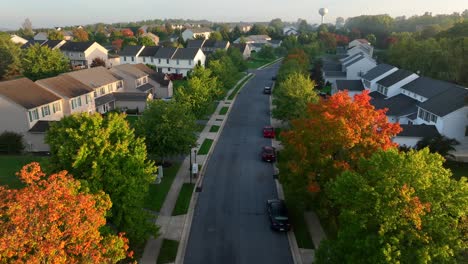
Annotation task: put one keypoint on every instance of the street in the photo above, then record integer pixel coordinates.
(230, 223)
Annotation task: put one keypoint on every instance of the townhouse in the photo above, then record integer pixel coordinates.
(161, 81)
(244, 49)
(82, 54)
(51, 44)
(208, 46)
(193, 33)
(28, 109)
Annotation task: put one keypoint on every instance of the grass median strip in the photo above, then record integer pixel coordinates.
(168, 252)
(214, 129)
(224, 110)
(239, 86)
(300, 228)
(9, 165)
(205, 147)
(157, 192)
(183, 201)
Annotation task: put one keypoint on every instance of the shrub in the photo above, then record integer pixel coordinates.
(11, 142)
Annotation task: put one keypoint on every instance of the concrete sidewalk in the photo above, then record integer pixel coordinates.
(174, 227)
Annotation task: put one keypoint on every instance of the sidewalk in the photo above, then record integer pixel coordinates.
(175, 227)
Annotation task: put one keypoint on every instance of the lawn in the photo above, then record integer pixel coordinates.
(168, 252)
(458, 169)
(224, 110)
(205, 147)
(200, 127)
(254, 62)
(214, 129)
(131, 119)
(179, 83)
(183, 201)
(238, 87)
(157, 192)
(299, 225)
(9, 165)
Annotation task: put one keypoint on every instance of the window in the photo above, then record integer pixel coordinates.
(152, 60)
(45, 110)
(33, 115)
(145, 80)
(119, 84)
(133, 58)
(57, 107)
(125, 58)
(138, 82)
(81, 55)
(88, 98)
(110, 87)
(167, 61)
(426, 116)
(144, 59)
(177, 62)
(190, 62)
(95, 93)
(102, 90)
(433, 118)
(78, 100)
(159, 61)
(169, 69)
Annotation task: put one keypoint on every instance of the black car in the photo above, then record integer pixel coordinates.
(267, 90)
(278, 215)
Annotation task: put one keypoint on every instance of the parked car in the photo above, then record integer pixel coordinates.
(268, 154)
(267, 90)
(278, 215)
(273, 78)
(268, 132)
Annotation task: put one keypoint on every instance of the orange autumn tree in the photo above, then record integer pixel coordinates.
(54, 220)
(331, 138)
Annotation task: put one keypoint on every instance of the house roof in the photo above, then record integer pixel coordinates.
(130, 96)
(131, 50)
(129, 69)
(377, 71)
(394, 78)
(165, 52)
(185, 53)
(200, 30)
(377, 95)
(447, 101)
(350, 85)
(398, 105)
(332, 66)
(363, 41)
(41, 126)
(158, 77)
(275, 41)
(32, 42)
(259, 37)
(195, 43)
(26, 93)
(145, 87)
(240, 46)
(335, 74)
(104, 99)
(352, 57)
(149, 51)
(419, 131)
(65, 86)
(52, 43)
(217, 44)
(427, 87)
(351, 62)
(94, 77)
(76, 46)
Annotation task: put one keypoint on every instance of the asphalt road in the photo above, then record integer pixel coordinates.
(230, 223)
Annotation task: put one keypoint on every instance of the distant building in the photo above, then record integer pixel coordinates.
(192, 33)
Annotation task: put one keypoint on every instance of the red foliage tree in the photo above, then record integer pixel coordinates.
(54, 220)
(117, 44)
(126, 32)
(80, 34)
(336, 133)
(341, 40)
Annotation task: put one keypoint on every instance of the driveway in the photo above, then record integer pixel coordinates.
(230, 224)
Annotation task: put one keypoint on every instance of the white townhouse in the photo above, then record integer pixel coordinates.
(161, 81)
(376, 74)
(357, 65)
(253, 39)
(360, 45)
(18, 40)
(77, 96)
(82, 54)
(27, 108)
(130, 54)
(178, 60)
(391, 85)
(104, 84)
(290, 31)
(192, 33)
(208, 45)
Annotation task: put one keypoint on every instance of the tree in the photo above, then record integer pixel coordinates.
(292, 96)
(237, 59)
(398, 208)
(225, 71)
(216, 36)
(55, 220)
(340, 22)
(104, 154)
(39, 62)
(334, 134)
(168, 128)
(80, 34)
(266, 52)
(328, 41)
(100, 37)
(97, 62)
(26, 28)
(258, 29)
(117, 44)
(126, 32)
(438, 144)
(303, 27)
(11, 142)
(55, 35)
(278, 25)
(372, 39)
(146, 41)
(10, 63)
(235, 33)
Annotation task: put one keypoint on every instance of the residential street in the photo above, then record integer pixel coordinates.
(230, 223)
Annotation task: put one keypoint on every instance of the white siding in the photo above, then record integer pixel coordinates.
(407, 141)
(356, 70)
(396, 88)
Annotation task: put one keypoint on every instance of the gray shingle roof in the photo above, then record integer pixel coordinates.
(41, 126)
(131, 50)
(420, 131)
(376, 95)
(149, 51)
(335, 74)
(185, 54)
(351, 62)
(65, 86)
(446, 102)
(377, 71)
(165, 52)
(352, 57)
(195, 43)
(26, 93)
(76, 46)
(216, 44)
(350, 85)
(332, 66)
(145, 87)
(104, 99)
(427, 87)
(130, 96)
(398, 105)
(394, 78)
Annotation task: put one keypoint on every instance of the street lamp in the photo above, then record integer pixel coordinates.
(195, 152)
(190, 167)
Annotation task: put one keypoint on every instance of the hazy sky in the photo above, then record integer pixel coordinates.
(48, 13)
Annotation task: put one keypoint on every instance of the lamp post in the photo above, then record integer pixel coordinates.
(190, 167)
(195, 152)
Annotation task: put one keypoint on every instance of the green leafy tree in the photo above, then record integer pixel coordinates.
(168, 128)
(237, 59)
(26, 29)
(225, 71)
(39, 62)
(100, 37)
(372, 39)
(235, 33)
(398, 208)
(258, 29)
(292, 96)
(55, 35)
(10, 63)
(267, 52)
(104, 154)
(438, 144)
(145, 41)
(216, 35)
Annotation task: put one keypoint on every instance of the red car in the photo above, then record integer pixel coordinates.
(268, 132)
(268, 154)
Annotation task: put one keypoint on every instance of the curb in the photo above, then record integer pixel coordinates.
(193, 201)
(269, 64)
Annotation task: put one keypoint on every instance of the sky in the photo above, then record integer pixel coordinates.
(50, 13)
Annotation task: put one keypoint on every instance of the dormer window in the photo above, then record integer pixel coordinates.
(33, 115)
(45, 110)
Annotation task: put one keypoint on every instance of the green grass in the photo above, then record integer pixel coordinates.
(132, 120)
(168, 252)
(238, 87)
(254, 62)
(301, 231)
(278, 131)
(9, 165)
(183, 201)
(179, 83)
(157, 192)
(214, 129)
(458, 169)
(224, 110)
(205, 147)
(200, 127)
